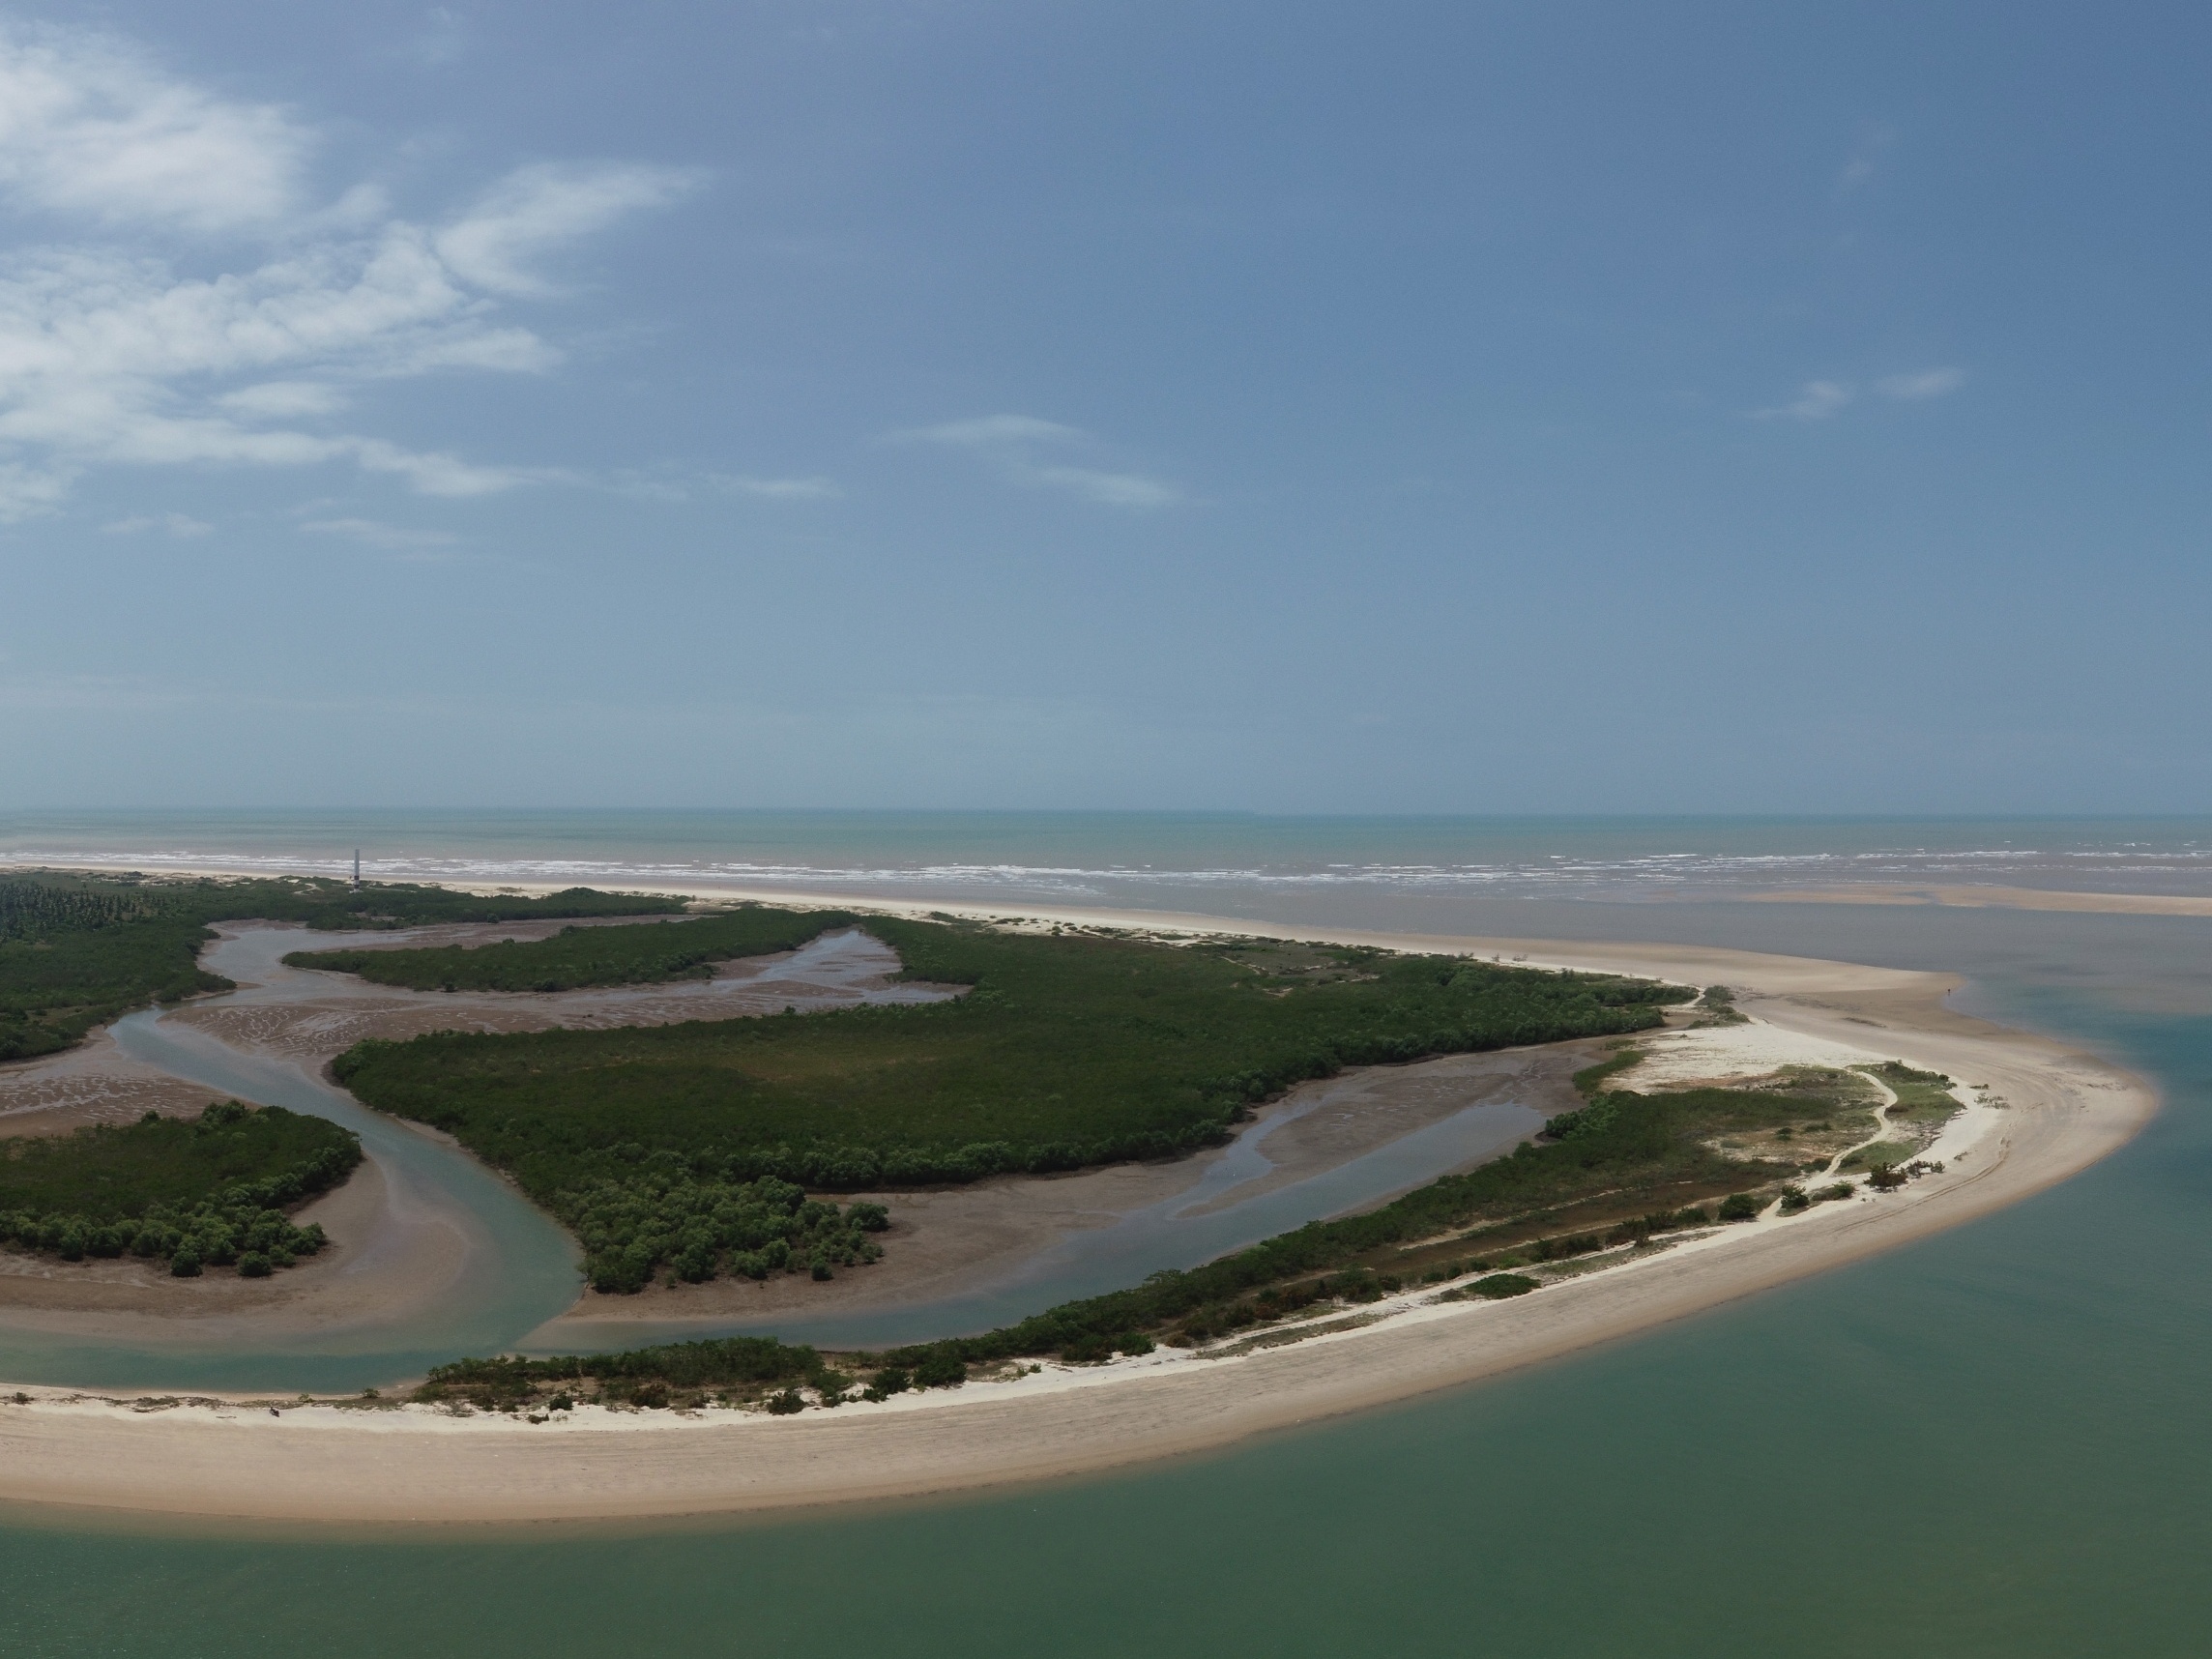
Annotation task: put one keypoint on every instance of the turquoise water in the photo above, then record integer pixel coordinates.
(1989, 1442)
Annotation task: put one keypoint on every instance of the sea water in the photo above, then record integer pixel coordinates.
(1990, 1441)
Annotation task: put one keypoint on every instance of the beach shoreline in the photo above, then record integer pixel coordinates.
(2063, 1111)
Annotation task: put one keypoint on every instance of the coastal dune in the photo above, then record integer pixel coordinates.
(2060, 1110)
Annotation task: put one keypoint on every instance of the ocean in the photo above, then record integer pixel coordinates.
(1991, 1442)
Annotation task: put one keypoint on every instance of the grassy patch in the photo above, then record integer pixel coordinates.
(209, 1192)
(1880, 1155)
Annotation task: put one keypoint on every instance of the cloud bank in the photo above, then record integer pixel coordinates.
(1022, 448)
(145, 336)
(1818, 400)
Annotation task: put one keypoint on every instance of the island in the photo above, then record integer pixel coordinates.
(1722, 1123)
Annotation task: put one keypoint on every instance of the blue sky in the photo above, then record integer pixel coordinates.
(1383, 407)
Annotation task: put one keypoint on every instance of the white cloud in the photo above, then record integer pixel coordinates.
(1015, 445)
(1918, 388)
(777, 489)
(1816, 401)
(88, 125)
(1114, 490)
(992, 431)
(175, 523)
(392, 538)
(282, 400)
(537, 209)
(111, 355)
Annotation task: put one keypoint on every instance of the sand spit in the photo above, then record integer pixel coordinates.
(1970, 896)
(2060, 1110)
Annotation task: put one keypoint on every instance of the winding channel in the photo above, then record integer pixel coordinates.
(503, 1268)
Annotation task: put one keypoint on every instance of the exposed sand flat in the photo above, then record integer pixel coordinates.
(2065, 1110)
(91, 1083)
(386, 1259)
(1968, 896)
(311, 1016)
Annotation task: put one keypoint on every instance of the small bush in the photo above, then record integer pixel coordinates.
(940, 1368)
(1740, 1207)
(1498, 1286)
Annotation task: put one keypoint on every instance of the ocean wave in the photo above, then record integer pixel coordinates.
(1554, 873)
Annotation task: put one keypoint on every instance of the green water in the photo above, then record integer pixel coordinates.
(1990, 1442)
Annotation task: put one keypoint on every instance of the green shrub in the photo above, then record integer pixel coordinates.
(1498, 1286)
(940, 1366)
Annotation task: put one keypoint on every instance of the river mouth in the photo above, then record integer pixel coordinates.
(438, 1256)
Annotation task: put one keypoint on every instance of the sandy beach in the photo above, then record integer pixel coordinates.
(2061, 1110)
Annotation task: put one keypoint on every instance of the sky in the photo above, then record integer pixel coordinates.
(1378, 407)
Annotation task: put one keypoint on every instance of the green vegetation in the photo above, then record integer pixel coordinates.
(1591, 1079)
(579, 956)
(210, 1192)
(701, 1227)
(1603, 1167)
(1066, 1052)
(1589, 1186)
(1717, 1008)
(1925, 1102)
(1881, 1155)
(77, 951)
(1496, 1286)
(683, 1374)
